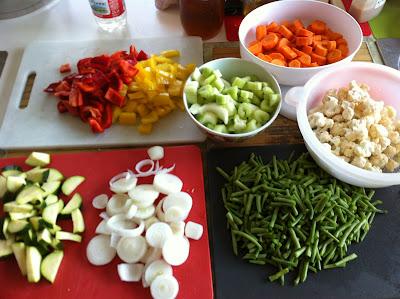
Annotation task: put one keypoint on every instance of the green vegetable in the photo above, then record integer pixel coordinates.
(293, 215)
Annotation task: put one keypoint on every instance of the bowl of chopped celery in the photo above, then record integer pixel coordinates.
(232, 99)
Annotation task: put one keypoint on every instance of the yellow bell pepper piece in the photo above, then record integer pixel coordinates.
(116, 113)
(142, 110)
(127, 118)
(136, 95)
(170, 53)
(145, 128)
(150, 118)
(130, 106)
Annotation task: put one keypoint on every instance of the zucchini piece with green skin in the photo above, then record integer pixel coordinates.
(61, 235)
(57, 244)
(3, 186)
(22, 215)
(5, 249)
(11, 172)
(37, 174)
(12, 206)
(51, 187)
(14, 183)
(35, 222)
(44, 236)
(28, 194)
(54, 229)
(77, 221)
(19, 250)
(4, 228)
(74, 203)
(50, 265)
(33, 262)
(11, 167)
(71, 183)
(51, 212)
(50, 199)
(54, 175)
(16, 226)
(38, 159)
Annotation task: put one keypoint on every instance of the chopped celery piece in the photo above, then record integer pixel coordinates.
(221, 112)
(206, 71)
(265, 84)
(233, 91)
(220, 129)
(207, 118)
(231, 106)
(239, 124)
(196, 74)
(253, 86)
(251, 125)
(267, 90)
(240, 82)
(256, 100)
(222, 99)
(219, 84)
(226, 83)
(261, 116)
(191, 91)
(244, 94)
(274, 99)
(195, 109)
(265, 106)
(206, 91)
(207, 80)
(259, 93)
(217, 73)
(246, 110)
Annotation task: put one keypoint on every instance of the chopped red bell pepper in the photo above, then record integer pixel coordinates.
(114, 97)
(61, 107)
(87, 112)
(75, 97)
(95, 126)
(65, 68)
(142, 56)
(107, 117)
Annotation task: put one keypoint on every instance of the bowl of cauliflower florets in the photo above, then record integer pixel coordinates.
(350, 125)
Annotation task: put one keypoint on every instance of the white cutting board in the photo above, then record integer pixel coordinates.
(40, 125)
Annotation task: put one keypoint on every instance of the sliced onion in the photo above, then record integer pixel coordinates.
(123, 182)
(175, 214)
(130, 272)
(100, 201)
(124, 227)
(118, 203)
(104, 215)
(164, 287)
(141, 164)
(159, 210)
(178, 228)
(193, 230)
(144, 213)
(167, 183)
(99, 252)
(131, 249)
(114, 240)
(151, 255)
(150, 221)
(166, 170)
(156, 152)
(182, 200)
(102, 228)
(176, 250)
(143, 195)
(157, 234)
(131, 211)
(155, 268)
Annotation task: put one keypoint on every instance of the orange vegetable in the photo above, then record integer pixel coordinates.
(252, 43)
(275, 55)
(324, 37)
(298, 52)
(295, 63)
(285, 32)
(314, 64)
(264, 57)
(270, 41)
(333, 35)
(297, 24)
(331, 45)
(334, 56)
(256, 48)
(307, 49)
(278, 62)
(318, 27)
(321, 60)
(304, 41)
(341, 41)
(286, 23)
(304, 32)
(282, 42)
(317, 37)
(261, 32)
(272, 27)
(305, 59)
(344, 49)
(320, 50)
(287, 52)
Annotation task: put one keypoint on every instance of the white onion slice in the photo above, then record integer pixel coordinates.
(100, 201)
(104, 215)
(118, 203)
(159, 210)
(131, 211)
(99, 252)
(167, 183)
(193, 230)
(139, 165)
(130, 272)
(102, 228)
(156, 152)
(182, 200)
(151, 255)
(124, 227)
(176, 250)
(131, 249)
(178, 228)
(155, 268)
(114, 240)
(149, 221)
(164, 287)
(175, 214)
(123, 182)
(157, 234)
(143, 195)
(144, 213)
(166, 170)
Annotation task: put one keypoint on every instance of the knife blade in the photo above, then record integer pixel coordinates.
(389, 49)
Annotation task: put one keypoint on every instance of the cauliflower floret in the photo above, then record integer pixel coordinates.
(328, 124)
(356, 93)
(317, 120)
(364, 149)
(336, 141)
(390, 151)
(331, 106)
(342, 94)
(384, 142)
(324, 136)
(338, 129)
(363, 108)
(369, 120)
(338, 118)
(377, 131)
(360, 133)
(359, 161)
(348, 110)
(327, 146)
(391, 165)
(389, 112)
(336, 151)
(377, 148)
(347, 148)
(394, 137)
(379, 160)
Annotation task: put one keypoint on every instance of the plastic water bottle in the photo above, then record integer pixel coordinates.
(109, 14)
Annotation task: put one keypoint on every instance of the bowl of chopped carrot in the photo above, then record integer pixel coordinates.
(294, 40)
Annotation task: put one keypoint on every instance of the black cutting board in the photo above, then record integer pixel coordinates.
(375, 274)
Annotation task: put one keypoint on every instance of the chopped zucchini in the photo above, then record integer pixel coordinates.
(61, 235)
(16, 226)
(3, 186)
(45, 236)
(12, 206)
(38, 159)
(54, 175)
(50, 213)
(51, 187)
(11, 172)
(77, 221)
(33, 261)
(37, 174)
(35, 222)
(19, 250)
(50, 265)
(4, 229)
(22, 215)
(30, 193)
(57, 244)
(71, 184)
(5, 249)
(51, 198)
(74, 203)
(14, 183)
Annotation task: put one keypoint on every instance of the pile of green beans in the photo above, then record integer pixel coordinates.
(293, 215)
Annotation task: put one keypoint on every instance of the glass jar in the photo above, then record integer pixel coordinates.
(202, 17)
(365, 10)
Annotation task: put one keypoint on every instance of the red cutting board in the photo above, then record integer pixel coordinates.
(77, 278)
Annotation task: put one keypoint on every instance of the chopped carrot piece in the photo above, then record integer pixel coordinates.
(307, 49)
(287, 52)
(297, 24)
(285, 32)
(286, 23)
(321, 60)
(305, 59)
(320, 50)
(324, 37)
(278, 62)
(341, 41)
(317, 37)
(331, 45)
(282, 42)
(334, 56)
(252, 43)
(267, 58)
(272, 27)
(294, 63)
(316, 43)
(344, 49)
(256, 48)
(333, 35)
(303, 41)
(304, 32)
(298, 52)
(270, 41)
(261, 32)
(276, 55)
(314, 64)
(318, 27)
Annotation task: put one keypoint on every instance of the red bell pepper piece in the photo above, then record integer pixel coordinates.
(65, 68)
(87, 112)
(75, 97)
(63, 86)
(115, 81)
(107, 117)
(142, 56)
(61, 107)
(52, 87)
(114, 97)
(95, 126)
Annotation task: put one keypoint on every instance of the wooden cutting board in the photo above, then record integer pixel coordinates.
(77, 278)
(39, 125)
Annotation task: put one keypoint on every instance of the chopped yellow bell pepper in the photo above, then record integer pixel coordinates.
(127, 118)
(130, 106)
(150, 118)
(170, 53)
(145, 128)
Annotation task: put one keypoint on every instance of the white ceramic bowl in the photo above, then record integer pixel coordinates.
(384, 83)
(306, 10)
(231, 67)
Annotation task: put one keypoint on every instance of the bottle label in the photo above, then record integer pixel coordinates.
(107, 9)
(379, 3)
